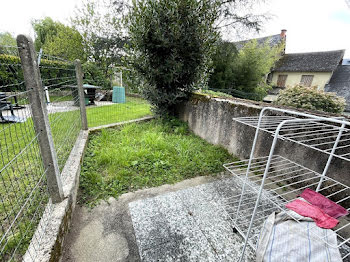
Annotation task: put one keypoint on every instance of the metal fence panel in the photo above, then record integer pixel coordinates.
(23, 189)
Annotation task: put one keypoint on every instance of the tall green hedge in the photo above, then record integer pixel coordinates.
(52, 72)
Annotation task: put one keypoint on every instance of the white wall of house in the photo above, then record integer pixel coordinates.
(320, 79)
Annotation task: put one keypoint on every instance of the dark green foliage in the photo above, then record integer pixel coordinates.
(171, 46)
(66, 44)
(145, 155)
(44, 29)
(94, 75)
(311, 98)
(223, 76)
(8, 44)
(11, 71)
(243, 74)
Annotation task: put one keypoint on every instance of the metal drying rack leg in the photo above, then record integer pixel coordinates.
(274, 142)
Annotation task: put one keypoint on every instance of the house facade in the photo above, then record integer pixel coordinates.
(307, 69)
(326, 70)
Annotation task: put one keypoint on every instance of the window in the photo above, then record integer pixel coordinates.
(281, 81)
(306, 80)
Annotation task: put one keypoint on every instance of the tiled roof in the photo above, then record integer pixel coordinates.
(310, 62)
(340, 83)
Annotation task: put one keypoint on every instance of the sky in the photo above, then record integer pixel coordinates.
(312, 25)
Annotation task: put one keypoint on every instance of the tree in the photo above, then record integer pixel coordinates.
(243, 73)
(44, 29)
(67, 44)
(8, 44)
(222, 76)
(238, 16)
(58, 39)
(99, 23)
(252, 65)
(171, 46)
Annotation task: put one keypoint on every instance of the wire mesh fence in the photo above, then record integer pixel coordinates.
(109, 112)
(62, 103)
(26, 185)
(23, 190)
(114, 104)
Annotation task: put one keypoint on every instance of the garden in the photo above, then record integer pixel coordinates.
(160, 53)
(144, 155)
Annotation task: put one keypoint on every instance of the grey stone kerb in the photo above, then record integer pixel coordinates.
(48, 239)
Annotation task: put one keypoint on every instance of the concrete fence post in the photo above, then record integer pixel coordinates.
(79, 75)
(33, 84)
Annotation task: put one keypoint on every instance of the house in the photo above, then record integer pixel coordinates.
(340, 83)
(307, 69)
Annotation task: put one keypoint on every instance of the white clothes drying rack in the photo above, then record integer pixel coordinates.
(269, 182)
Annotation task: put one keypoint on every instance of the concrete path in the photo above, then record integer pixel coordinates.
(168, 223)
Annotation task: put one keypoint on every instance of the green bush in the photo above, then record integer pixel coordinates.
(11, 72)
(311, 98)
(171, 43)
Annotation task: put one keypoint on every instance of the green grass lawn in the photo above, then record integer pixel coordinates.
(60, 98)
(23, 178)
(21, 166)
(145, 155)
(109, 114)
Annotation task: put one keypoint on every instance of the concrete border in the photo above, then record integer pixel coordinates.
(47, 242)
(146, 118)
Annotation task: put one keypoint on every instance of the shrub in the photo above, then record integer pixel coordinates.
(311, 98)
(171, 46)
(11, 71)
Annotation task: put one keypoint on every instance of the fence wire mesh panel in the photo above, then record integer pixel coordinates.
(62, 98)
(23, 190)
(109, 112)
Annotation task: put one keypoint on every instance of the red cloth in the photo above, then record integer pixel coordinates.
(328, 206)
(305, 209)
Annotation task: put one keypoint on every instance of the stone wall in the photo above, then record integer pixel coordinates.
(212, 120)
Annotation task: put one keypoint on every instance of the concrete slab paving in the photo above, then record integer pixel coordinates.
(191, 228)
(168, 223)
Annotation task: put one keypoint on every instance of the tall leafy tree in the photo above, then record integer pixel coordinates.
(222, 75)
(243, 73)
(171, 45)
(7, 44)
(67, 44)
(252, 65)
(99, 23)
(43, 30)
(58, 39)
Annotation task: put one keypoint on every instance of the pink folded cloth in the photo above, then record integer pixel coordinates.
(328, 206)
(305, 209)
